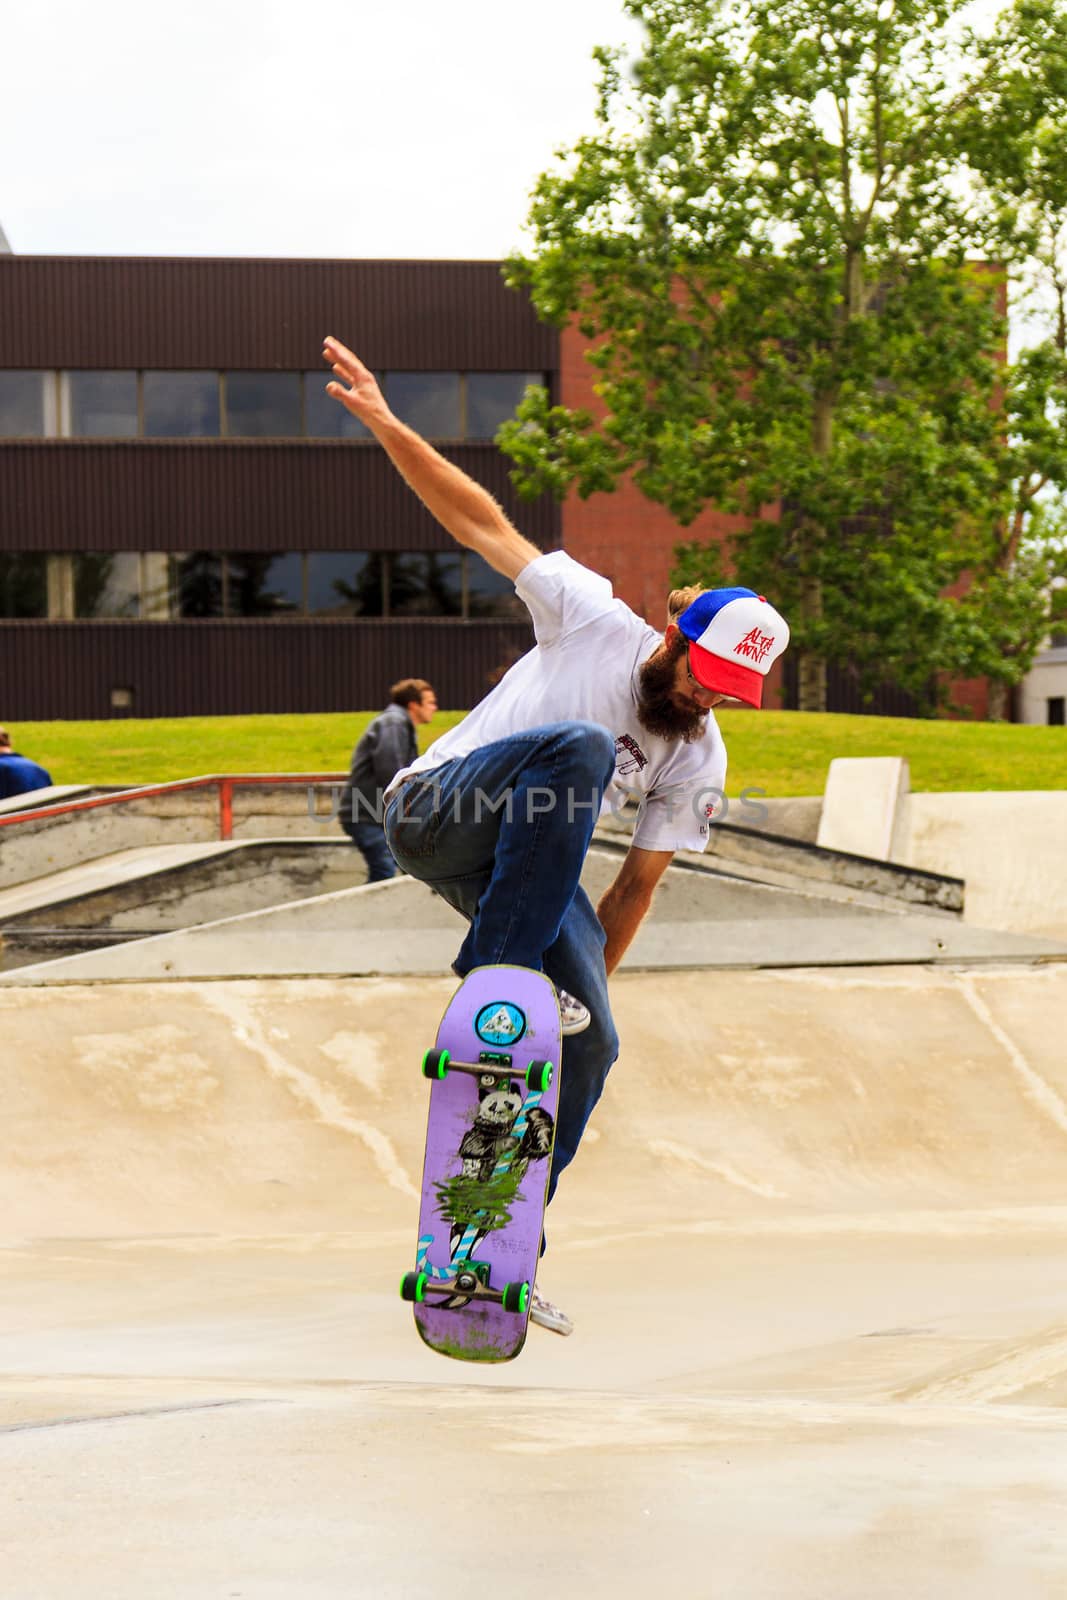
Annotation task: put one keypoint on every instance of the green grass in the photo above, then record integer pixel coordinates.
(789, 752)
(782, 752)
(158, 750)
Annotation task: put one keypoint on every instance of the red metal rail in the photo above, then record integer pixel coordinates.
(224, 783)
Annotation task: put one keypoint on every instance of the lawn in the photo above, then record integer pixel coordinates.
(788, 752)
(782, 752)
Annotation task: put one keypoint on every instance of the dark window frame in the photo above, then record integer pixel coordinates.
(57, 407)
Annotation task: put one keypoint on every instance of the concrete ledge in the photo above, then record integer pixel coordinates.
(20, 804)
(861, 810)
(804, 864)
(912, 886)
(167, 887)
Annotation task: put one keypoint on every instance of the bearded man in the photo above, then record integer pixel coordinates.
(499, 813)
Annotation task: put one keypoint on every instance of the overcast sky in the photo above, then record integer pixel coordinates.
(328, 128)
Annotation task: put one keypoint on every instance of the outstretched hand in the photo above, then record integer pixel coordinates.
(362, 396)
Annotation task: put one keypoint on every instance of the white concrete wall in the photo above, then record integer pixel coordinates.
(862, 807)
(1046, 679)
(1010, 847)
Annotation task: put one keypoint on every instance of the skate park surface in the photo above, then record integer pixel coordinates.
(814, 1248)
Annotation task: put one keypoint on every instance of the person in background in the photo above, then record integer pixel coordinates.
(18, 774)
(388, 745)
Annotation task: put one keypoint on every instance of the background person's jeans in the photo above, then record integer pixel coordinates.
(512, 870)
(369, 840)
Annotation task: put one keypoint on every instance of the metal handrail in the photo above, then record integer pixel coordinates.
(226, 783)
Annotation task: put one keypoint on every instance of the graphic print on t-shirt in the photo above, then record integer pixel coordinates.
(629, 757)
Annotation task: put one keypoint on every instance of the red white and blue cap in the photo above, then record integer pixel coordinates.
(734, 637)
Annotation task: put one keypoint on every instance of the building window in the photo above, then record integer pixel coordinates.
(429, 402)
(23, 585)
(158, 586)
(100, 405)
(248, 405)
(264, 585)
(344, 584)
(156, 583)
(324, 417)
(263, 405)
(196, 585)
(493, 398)
(23, 407)
(181, 405)
(107, 585)
(1056, 705)
(426, 583)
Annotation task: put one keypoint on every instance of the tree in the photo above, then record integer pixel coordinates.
(1016, 142)
(767, 243)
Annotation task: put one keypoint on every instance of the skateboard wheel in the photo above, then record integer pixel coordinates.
(539, 1075)
(435, 1064)
(516, 1297)
(413, 1287)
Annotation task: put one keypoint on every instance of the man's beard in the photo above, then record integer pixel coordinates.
(657, 711)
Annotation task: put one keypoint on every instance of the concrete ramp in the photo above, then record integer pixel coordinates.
(133, 894)
(297, 1104)
(815, 1246)
(700, 918)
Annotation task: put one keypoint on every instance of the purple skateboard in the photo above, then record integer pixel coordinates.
(493, 1100)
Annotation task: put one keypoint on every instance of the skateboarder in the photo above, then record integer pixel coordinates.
(498, 814)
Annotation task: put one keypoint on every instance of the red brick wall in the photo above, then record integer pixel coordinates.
(968, 700)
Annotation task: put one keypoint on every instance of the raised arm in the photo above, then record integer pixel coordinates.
(462, 507)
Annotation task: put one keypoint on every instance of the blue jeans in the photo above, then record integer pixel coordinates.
(501, 835)
(369, 840)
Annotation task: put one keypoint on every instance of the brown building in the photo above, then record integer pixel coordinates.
(190, 526)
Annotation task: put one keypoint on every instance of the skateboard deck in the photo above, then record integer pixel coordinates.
(495, 1079)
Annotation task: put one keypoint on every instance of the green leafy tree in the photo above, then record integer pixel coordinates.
(1016, 142)
(767, 243)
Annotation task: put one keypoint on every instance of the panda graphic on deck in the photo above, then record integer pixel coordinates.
(492, 1138)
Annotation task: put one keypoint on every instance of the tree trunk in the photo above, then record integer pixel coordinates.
(811, 682)
(811, 669)
(999, 701)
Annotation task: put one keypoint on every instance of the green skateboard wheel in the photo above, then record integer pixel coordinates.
(539, 1075)
(516, 1297)
(413, 1287)
(435, 1064)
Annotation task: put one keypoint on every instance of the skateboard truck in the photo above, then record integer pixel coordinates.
(472, 1275)
(439, 1063)
(472, 1281)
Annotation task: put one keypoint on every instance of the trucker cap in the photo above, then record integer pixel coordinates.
(734, 637)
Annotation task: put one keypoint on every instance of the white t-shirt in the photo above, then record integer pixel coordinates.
(584, 667)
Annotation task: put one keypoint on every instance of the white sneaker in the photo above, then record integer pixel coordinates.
(573, 1016)
(546, 1315)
